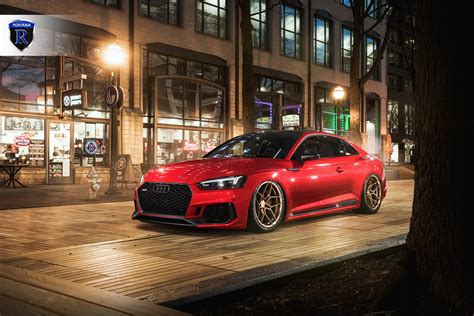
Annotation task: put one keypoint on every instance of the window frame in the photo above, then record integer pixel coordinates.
(345, 3)
(298, 35)
(328, 34)
(167, 21)
(199, 28)
(344, 49)
(376, 73)
(107, 5)
(264, 44)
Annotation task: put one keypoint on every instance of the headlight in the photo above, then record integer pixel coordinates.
(142, 180)
(223, 183)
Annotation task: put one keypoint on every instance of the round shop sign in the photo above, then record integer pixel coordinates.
(111, 96)
(67, 100)
(91, 147)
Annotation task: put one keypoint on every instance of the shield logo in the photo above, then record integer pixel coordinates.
(21, 33)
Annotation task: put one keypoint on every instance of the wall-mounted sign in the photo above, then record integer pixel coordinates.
(21, 33)
(188, 146)
(113, 96)
(91, 147)
(75, 99)
(290, 120)
(22, 140)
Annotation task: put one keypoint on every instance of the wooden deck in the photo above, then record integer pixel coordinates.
(91, 251)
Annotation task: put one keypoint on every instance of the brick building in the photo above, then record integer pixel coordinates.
(181, 79)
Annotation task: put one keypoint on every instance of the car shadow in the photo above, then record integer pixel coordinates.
(189, 230)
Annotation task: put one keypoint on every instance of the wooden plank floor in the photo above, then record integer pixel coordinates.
(98, 247)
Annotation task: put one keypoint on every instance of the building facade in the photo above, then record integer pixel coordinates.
(182, 80)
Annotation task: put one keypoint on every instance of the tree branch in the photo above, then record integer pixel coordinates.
(378, 21)
(376, 9)
(380, 53)
(268, 9)
(366, 9)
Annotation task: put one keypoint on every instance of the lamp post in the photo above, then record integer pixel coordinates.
(338, 95)
(114, 57)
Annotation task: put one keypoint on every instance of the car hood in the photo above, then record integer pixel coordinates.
(195, 171)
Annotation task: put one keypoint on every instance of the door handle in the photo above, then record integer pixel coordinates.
(339, 169)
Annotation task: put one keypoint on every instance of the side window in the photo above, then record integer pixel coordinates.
(329, 147)
(323, 147)
(308, 148)
(335, 147)
(347, 149)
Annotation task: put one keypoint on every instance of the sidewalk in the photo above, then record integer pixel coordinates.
(53, 195)
(99, 252)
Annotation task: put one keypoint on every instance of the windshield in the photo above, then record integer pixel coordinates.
(256, 145)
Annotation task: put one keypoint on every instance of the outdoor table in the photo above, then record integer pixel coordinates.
(11, 170)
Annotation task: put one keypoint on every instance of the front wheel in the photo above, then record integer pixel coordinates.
(267, 207)
(371, 197)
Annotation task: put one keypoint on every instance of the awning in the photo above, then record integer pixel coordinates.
(180, 52)
(57, 24)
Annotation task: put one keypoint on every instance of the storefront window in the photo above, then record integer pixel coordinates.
(23, 84)
(331, 118)
(90, 144)
(174, 145)
(169, 146)
(276, 97)
(190, 103)
(95, 84)
(22, 139)
(189, 111)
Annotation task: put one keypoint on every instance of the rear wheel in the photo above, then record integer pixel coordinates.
(371, 197)
(267, 207)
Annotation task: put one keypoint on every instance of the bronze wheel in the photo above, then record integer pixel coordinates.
(373, 193)
(267, 207)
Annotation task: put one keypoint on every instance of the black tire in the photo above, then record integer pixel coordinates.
(366, 204)
(254, 223)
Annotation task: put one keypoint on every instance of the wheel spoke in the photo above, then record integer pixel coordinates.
(268, 204)
(373, 192)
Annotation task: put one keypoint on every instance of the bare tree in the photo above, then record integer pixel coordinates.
(361, 12)
(246, 28)
(248, 104)
(439, 259)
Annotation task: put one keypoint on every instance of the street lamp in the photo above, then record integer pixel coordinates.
(113, 56)
(338, 95)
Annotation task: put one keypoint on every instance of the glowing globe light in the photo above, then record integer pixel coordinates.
(114, 55)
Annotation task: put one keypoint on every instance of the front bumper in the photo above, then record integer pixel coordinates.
(206, 209)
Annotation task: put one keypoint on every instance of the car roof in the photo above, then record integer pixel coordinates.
(295, 132)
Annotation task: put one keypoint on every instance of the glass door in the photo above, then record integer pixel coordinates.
(60, 156)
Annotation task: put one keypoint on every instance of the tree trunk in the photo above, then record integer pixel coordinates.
(248, 104)
(355, 74)
(441, 232)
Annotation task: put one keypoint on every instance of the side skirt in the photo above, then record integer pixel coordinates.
(325, 208)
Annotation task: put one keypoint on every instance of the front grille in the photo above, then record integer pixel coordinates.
(219, 213)
(164, 198)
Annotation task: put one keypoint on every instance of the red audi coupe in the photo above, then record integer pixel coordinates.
(257, 180)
